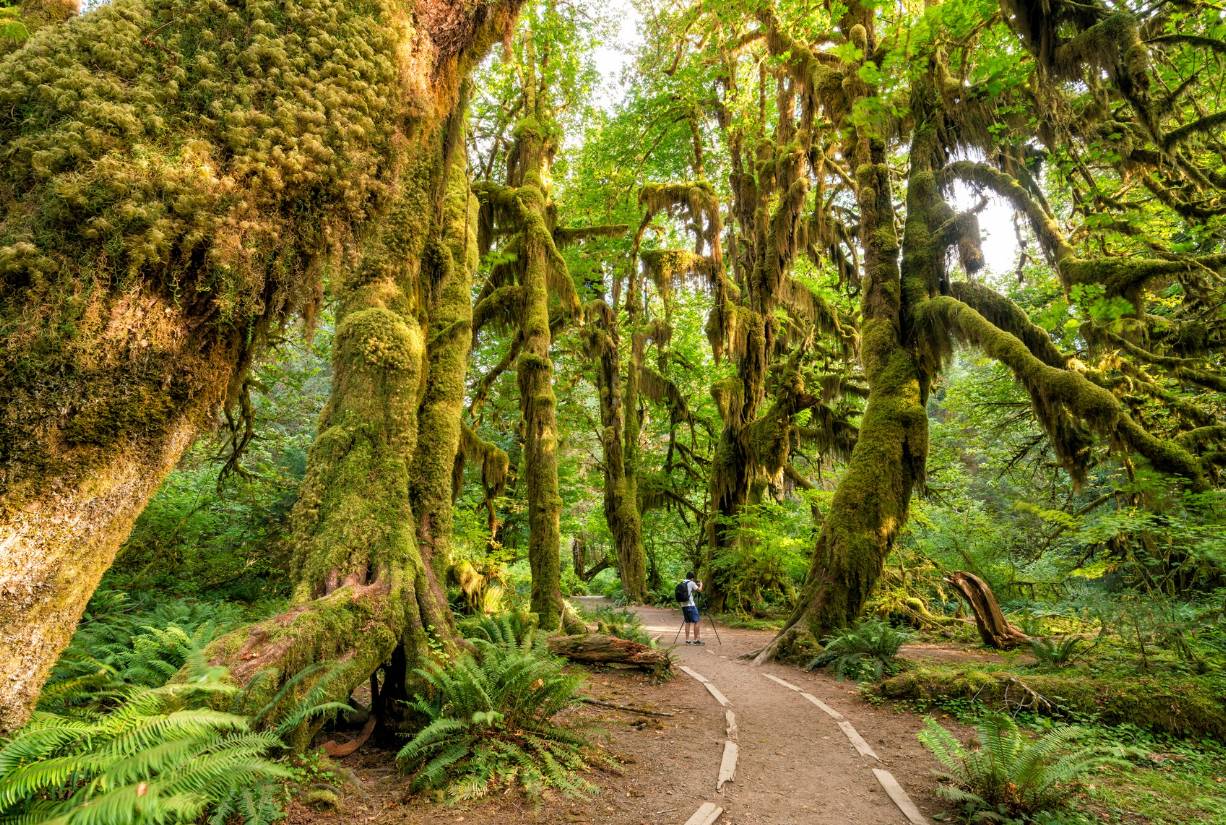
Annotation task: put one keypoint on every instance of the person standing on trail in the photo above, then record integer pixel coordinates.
(689, 609)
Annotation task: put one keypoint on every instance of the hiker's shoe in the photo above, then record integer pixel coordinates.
(699, 642)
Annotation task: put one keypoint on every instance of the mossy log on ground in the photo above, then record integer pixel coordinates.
(1180, 705)
(599, 649)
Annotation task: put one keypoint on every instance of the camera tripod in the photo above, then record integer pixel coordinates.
(710, 621)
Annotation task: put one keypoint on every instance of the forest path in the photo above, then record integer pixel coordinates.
(795, 765)
(795, 762)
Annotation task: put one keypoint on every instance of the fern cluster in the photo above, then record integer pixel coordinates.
(122, 642)
(512, 629)
(624, 624)
(161, 755)
(136, 726)
(489, 723)
(1056, 651)
(1010, 777)
(867, 650)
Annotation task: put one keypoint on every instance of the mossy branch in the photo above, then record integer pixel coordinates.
(1009, 317)
(1044, 223)
(1054, 387)
(502, 307)
(565, 236)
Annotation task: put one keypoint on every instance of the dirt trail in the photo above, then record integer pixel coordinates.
(795, 764)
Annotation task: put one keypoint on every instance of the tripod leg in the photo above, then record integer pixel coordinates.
(715, 631)
(678, 636)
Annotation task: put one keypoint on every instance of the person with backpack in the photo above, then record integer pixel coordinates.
(689, 610)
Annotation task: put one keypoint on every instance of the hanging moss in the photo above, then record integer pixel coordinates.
(621, 497)
(1053, 389)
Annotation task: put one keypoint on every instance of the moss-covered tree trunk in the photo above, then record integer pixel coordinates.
(368, 590)
(872, 499)
(149, 240)
(534, 372)
(451, 260)
(621, 507)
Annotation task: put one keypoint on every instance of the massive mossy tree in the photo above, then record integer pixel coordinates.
(863, 124)
(175, 178)
(960, 101)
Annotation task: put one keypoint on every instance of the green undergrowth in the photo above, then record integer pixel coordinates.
(1009, 776)
(158, 735)
(619, 622)
(489, 718)
(1164, 780)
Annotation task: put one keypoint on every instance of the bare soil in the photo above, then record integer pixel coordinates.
(795, 766)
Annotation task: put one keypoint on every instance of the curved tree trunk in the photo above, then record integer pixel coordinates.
(994, 628)
(159, 255)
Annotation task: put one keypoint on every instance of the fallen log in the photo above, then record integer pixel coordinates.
(600, 649)
(994, 628)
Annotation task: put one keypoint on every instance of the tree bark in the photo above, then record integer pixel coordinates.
(450, 262)
(144, 265)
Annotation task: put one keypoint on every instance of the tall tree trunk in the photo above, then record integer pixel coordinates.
(534, 370)
(621, 508)
(143, 267)
(872, 499)
(449, 265)
(368, 590)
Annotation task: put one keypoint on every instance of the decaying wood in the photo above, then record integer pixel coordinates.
(994, 628)
(338, 749)
(597, 648)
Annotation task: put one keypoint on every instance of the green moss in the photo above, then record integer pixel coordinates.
(1183, 706)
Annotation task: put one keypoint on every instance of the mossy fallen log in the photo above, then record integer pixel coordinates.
(600, 649)
(1181, 705)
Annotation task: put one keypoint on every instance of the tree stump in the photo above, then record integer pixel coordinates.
(994, 628)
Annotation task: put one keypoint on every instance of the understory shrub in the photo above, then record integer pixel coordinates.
(1056, 651)
(867, 650)
(489, 725)
(513, 629)
(1009, 777)
(124, 642)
